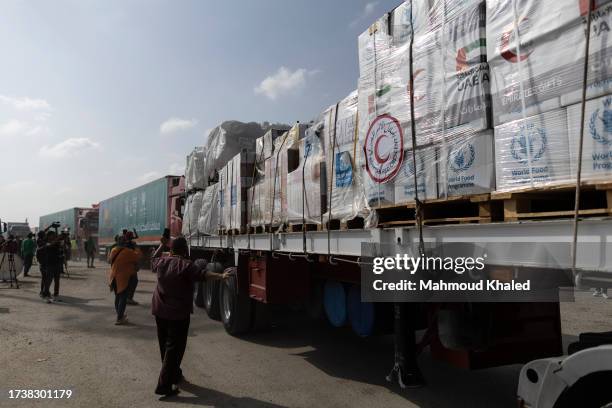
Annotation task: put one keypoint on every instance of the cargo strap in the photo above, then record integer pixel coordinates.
(580, 147)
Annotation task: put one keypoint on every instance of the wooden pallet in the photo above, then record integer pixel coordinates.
(465, 209)
(555, 201)
(299, 227)
(335, 225)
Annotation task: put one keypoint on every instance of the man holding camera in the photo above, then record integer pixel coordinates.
(51, 257)
(124, 259)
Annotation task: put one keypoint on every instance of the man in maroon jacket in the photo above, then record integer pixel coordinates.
(172, 306)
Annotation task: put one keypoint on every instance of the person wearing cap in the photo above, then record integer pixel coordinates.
(28, 248)
(124, 259)
(172, 306)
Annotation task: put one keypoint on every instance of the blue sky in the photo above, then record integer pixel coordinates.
(100, 96)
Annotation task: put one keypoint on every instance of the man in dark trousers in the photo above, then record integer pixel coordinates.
(172, 306)
(90, 251)
(28, 248)
(54, 265)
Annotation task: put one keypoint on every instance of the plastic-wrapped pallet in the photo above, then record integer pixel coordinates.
(466, 165)
(193, 207)
(264, 146)
(194, 170)
(208, 221)
(257, 204)
(451, 74)
(533, 152)
(226, 141)
(427, 180)
(276, 170)
(305, 200)
(597, 144)
(240, 178)
(338, 127)
(224, 193)
(536, 54)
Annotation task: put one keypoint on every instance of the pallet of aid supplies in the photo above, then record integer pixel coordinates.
(556, 201)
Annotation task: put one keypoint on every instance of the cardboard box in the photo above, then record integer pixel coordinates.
(467, 165)
(532, 152)
(426, 159)
(597, 142)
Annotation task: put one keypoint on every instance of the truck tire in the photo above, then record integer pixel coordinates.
(236, 309)
(211, 299)
(198, 299)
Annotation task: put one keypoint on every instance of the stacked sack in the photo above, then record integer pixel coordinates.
(194, 170)
(193, 207)
(454, 143)
(536, 53)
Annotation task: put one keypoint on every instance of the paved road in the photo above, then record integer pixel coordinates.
(295, 364)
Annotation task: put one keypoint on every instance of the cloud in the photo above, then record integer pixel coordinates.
(25, 103)
(283, 82)
(13, 127)
(176, 125)
(69, 148)
(150, 176)
(368, 10)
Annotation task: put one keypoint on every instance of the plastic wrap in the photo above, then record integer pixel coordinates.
(305, 198)
(536, 54)
(224, 195)
(597, 144)
(532, 152)
(208, 221)
(193, 207)
(258, 204)
(226, 141)
(239, 172)
(276, 170)
(194, 169)
(451, 74)
(467, 166)
(427, 178)
(338, 127)
(264, 146)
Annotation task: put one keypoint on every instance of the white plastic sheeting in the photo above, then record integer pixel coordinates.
(193, 207)
(194, 169)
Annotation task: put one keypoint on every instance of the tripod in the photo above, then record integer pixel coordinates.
(11, 267)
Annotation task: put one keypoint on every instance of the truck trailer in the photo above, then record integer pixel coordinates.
(80, 222)
(148, 209)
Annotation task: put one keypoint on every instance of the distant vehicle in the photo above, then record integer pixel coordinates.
(19, 230)
(148, 209)
(80, 222)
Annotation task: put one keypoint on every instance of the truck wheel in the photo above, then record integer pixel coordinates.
(198, 299)
(211, 299)
(236, 309)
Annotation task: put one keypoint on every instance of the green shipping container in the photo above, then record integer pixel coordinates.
(66, 218)
(144, 208)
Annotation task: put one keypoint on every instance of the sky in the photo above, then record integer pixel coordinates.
(97, 97)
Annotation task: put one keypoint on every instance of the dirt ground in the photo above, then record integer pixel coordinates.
(74, 345)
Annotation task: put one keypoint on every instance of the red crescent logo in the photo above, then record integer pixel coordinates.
(507, 54)
(379, 159)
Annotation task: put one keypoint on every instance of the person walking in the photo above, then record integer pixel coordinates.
(129, 237)
(90, 251)
(123, 260)
(28, 249)
(172, 306)
(41, 242)
(53, 260)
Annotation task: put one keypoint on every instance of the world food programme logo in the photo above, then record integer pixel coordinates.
(535, 141)
(462, 158)
(508, 39)
(384, 149)
(600, 124)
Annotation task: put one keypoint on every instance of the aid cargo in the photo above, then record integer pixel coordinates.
(532, 152)
(426, 159)
(597, 145)
(466, 165)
